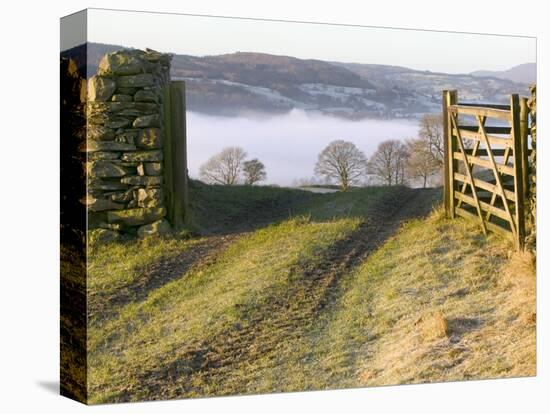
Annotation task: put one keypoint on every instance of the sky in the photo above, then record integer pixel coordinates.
(417, 49)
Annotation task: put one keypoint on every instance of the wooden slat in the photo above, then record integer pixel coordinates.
(498, 152)
(486, 186)
(483, 152)
(491, 226)
(489, 129)
(474, 153)
(498, 178)
(468, 168)
(476, 110)
(494, 196)
(486, 105)
(484, 206)
(484, 163)
(505, 142)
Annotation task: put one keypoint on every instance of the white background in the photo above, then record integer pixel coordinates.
(29, 188)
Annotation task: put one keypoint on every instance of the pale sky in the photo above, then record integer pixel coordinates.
(417, 49)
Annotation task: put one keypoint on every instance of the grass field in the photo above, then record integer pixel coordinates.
(286, 290)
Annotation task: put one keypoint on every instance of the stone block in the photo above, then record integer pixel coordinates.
(149, 197)
(153, 168)
(101, 204)
(142, 156)
(145, 121)
(149, 138)
(104, 169)
(136, 216)
(92, 146)
(100, 133)
(114, 121)
(144, 95)
(135, 81)
(124, 62)
(101, 236)
(100, 88)
(121, 197)
(120, 97)
(101, 155)
(141, 180)
(157, 228)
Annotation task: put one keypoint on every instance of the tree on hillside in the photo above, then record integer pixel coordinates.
(388, 163)
(254, 171)
(223, 168)
(421, 165)
(343, 162)
(431, 131)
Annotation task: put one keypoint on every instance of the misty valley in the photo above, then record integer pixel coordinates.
(289, 144)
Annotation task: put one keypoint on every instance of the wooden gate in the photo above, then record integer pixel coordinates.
(486, 163)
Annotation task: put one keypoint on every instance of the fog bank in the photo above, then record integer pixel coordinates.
(288, 145)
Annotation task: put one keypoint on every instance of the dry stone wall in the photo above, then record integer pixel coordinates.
(532, 202)
(124, 145)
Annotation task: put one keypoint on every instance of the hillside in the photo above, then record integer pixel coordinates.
(299, 291)
(525, 73)
(241, 82)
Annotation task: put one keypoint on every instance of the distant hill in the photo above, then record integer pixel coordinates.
(232, 84)
(525, 73)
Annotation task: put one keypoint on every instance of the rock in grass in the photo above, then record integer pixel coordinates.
(160, 228)
(101, 236)
(136, 216)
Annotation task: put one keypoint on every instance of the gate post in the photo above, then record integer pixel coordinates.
(449, 164)
(175, 155)
(519, 173)
(524, 134)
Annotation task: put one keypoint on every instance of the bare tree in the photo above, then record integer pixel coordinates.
(421, 165)
(223, 168)
(431, 130)
(341, 161)
(388, 163)
(254, 171)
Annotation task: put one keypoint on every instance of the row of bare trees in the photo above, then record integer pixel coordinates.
(230, 167)
(394, 162)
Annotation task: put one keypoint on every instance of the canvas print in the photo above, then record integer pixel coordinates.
(255, 206)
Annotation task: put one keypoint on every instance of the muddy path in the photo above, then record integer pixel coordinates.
(207, 367)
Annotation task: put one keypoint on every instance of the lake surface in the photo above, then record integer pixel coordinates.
(289, 144)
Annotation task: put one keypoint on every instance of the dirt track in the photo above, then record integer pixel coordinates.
(209, 364)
